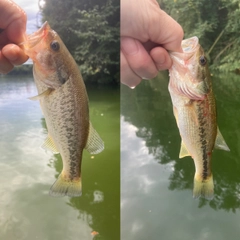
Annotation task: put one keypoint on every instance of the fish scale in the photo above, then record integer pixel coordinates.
(74, 132)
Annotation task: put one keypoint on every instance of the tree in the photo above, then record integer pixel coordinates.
(215, 23)
(90, 30)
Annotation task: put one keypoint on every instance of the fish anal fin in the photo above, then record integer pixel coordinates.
(41, 95)
(66, 187)
(203, 188)
(183, 151)
(94, 144)
(220, 142)
(49, 145)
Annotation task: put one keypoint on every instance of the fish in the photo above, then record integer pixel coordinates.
(64, 102)
(194, 108)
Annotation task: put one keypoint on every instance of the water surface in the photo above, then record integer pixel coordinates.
(27, 171)
(156, 186)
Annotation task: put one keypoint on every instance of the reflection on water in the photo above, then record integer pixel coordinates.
(157, 185)
(27, 171)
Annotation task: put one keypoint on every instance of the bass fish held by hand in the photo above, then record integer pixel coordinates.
(195, 112)
(64, 102)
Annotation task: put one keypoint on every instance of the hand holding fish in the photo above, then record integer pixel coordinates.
(147, 33)
(12, 32)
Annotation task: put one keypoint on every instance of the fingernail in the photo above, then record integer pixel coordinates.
(129, 45)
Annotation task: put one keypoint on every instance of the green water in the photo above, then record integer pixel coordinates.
(156, 186)
(27, 172)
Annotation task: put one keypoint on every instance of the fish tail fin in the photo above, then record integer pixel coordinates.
(204, 188)
(66, 187)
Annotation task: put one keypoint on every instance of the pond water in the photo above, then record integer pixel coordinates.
(156, 186)
(27, 171)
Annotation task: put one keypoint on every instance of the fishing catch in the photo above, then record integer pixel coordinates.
(64, 103)
(195, 112)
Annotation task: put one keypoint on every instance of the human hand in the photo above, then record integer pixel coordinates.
(147, 34)
(12, 31)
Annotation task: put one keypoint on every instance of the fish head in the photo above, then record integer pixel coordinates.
(49, 55)
(189, 72)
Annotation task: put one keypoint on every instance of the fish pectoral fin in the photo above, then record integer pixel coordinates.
(94, 144)
(183, 151)
(220, 142)
(41, 95)
(50, 145)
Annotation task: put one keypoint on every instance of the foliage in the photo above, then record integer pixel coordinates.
(216, 23)
(25, 69)
(90, 30)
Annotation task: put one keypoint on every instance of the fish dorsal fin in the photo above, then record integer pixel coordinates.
(220, 142)
(183, 151)
(49, 145)
(94, 144)
(41, 95)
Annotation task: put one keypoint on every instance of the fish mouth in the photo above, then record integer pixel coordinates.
(33, 39)
(190, 45)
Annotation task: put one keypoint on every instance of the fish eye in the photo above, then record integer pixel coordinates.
(202, 60)
(54, 45)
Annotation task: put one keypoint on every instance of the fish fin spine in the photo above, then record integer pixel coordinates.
(41, 95)
(94, 144)
(66, 187)
(203, 187)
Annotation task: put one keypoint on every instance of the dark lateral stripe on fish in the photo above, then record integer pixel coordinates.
(73, 172)
(202, 135)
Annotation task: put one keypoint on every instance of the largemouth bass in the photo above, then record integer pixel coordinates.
(64, 103)
(195, 112)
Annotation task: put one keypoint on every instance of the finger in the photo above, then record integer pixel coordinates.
(128, 77)
(138, 58)
(14, 54)
(3, 38)
(16, 31)
(5, 65)
(161, 58)
(13, 20)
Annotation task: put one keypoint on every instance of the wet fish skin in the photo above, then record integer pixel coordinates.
(195, 112)
(64, 102)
